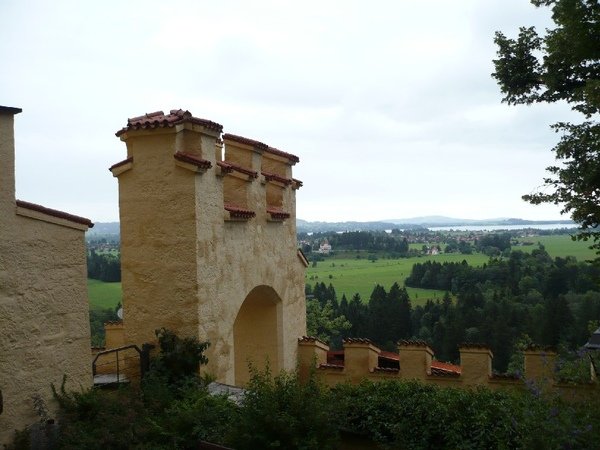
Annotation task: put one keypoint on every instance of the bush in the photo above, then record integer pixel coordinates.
(282, 412)
(179, 358)
(412, 415)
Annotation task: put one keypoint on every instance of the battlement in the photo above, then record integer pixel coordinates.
(208, 241)
(361, 359)
(256, 179)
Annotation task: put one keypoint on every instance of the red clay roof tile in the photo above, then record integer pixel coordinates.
(445, 366)
(310, 339)
(443, 373)
(275, 151)
(55, 213)
(121, 163)
(238, 212)
(278, 213)
(230, 167)
(274, 177)
(331, 366)
(413, 342)
(159, 119)
(357, 341)
(191, 159)
(243, 140)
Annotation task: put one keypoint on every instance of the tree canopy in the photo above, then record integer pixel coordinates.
(563, 64)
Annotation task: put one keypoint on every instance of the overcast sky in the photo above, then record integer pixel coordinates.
(389, 104)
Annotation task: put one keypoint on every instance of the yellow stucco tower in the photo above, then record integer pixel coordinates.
(208, 242)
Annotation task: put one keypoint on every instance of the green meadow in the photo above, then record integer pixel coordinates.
(103, 295)
(349, 275)
(559, 246)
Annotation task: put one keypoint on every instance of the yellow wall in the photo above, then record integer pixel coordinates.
(44, 321)
(188, 267)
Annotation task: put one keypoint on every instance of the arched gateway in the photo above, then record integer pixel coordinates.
(257, 333)
(208, 242)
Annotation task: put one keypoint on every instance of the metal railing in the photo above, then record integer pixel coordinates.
(143, 355)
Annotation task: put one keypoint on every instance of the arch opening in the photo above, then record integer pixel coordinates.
(257, 333)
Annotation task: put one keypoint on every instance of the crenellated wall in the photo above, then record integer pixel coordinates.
(44, 319)
(361, 360)
(208, 242)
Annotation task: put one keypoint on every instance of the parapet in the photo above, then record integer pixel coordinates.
(200, 146)
(360, 359)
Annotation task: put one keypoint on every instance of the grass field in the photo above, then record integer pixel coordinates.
(350, 276)
(103, 295)
(560, 246)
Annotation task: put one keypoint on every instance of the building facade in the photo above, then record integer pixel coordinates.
(208, 242)
(44, 318)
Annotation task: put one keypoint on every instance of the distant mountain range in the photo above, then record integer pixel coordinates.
(442, 221)
(414, 223)
(418, 223)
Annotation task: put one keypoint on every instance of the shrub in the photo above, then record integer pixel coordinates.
(412, 415)
(282, 412)
(179, 358)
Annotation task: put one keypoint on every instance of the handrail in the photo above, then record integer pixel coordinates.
(114, 350)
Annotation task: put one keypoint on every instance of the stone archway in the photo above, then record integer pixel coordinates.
(257, 333)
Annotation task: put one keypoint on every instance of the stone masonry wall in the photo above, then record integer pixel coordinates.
(44, 321)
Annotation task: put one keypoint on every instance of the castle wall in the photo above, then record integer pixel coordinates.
(199, 248)
(44, 319)
(414, 362)
(158, 247)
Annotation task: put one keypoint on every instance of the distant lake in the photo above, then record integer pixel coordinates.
(546, 226)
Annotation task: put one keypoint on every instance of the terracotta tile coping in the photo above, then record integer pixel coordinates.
(239, 213)
(230, 167)
(243, 140)
(159, 119)
(121, 163)
(278, 152)
(55, 213)
(273, 176)
(261, 145)
(436, 372)
(331, 366)
(445, 366)
(413, 342)
(277, 213)
(191, 159)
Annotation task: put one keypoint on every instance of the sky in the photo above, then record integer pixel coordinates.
(390, 105)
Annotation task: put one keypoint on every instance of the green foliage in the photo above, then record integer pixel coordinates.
(179, 358)
(104, 266)
(157, 415)
(322, 322)
(411, 415)
(95, 419)
(180, 417)
(98, 317)
(562, 65)
(282, 412)
(574, 367)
